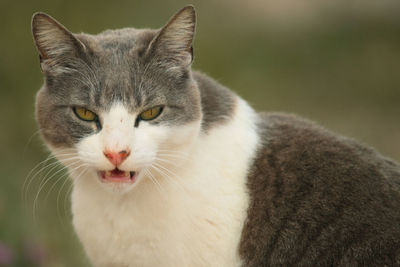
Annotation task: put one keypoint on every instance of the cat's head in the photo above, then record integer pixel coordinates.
(120, 105)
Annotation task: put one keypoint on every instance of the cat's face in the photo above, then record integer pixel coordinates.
(119, 106)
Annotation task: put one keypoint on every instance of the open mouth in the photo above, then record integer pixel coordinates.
(118, 176)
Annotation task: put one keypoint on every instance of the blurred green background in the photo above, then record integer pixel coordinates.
(335, 62)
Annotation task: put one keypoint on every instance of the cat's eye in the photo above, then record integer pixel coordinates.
(85, 114)
(150, 114)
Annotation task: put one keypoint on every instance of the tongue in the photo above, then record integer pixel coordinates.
(117, 176)
(118, 173)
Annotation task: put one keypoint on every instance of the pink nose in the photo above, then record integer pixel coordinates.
(116, 158)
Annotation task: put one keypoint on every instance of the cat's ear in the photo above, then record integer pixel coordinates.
(56, 45)
(174, 41)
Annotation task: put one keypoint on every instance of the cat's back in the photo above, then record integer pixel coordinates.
(317, 198)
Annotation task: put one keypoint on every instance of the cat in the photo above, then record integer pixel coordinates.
(170, 168)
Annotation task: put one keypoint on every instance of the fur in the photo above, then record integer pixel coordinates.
(214, 183)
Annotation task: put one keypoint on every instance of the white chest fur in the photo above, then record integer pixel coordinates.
(193, 220)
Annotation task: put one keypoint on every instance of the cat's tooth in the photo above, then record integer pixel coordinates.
(108, 173)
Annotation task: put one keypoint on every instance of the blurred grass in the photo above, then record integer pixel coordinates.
(337, 64)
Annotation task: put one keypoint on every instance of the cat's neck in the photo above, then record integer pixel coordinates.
(218, 102)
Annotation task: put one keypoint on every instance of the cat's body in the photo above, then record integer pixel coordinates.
(205, 180)
(319, 199)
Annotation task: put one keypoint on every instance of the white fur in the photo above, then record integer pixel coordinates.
(191, 216)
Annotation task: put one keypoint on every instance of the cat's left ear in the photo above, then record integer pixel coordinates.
(174, 42)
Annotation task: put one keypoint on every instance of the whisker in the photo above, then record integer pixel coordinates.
(169, 177)
(66, 198)
(173, 150)
(46, 167)
(155, 182)
(58, 195)
(162, 167)
(64, 176)
(168, 161)
(59, 191)
(65, 165)
(176, 156)
(29, 141)
(29, 174)
(35, 202)
(64, 158)
(176, 152)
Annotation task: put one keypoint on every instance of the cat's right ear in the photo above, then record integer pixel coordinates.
(174, 42)
(56, 45)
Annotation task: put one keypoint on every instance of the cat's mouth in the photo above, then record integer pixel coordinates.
(118, 176)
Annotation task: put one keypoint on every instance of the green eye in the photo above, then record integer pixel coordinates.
(85, 114)
(150, 114)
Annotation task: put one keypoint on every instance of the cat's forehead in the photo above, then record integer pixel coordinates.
(118, 42)
(116, 71)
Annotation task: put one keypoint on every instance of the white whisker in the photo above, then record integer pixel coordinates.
(42, 185)
(29, 174)
(175, 156)
(58, 195)
(43, 169)
(58, 164)
(66, 198)
(172, 177)
(65, 175)
(155, 182)
(168, 161)
(59, 191)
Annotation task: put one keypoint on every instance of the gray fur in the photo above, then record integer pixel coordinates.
(217, 102)
(319, 199)
(140, 68)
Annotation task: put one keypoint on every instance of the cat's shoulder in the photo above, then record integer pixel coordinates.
(295, 134)
(300, 147)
